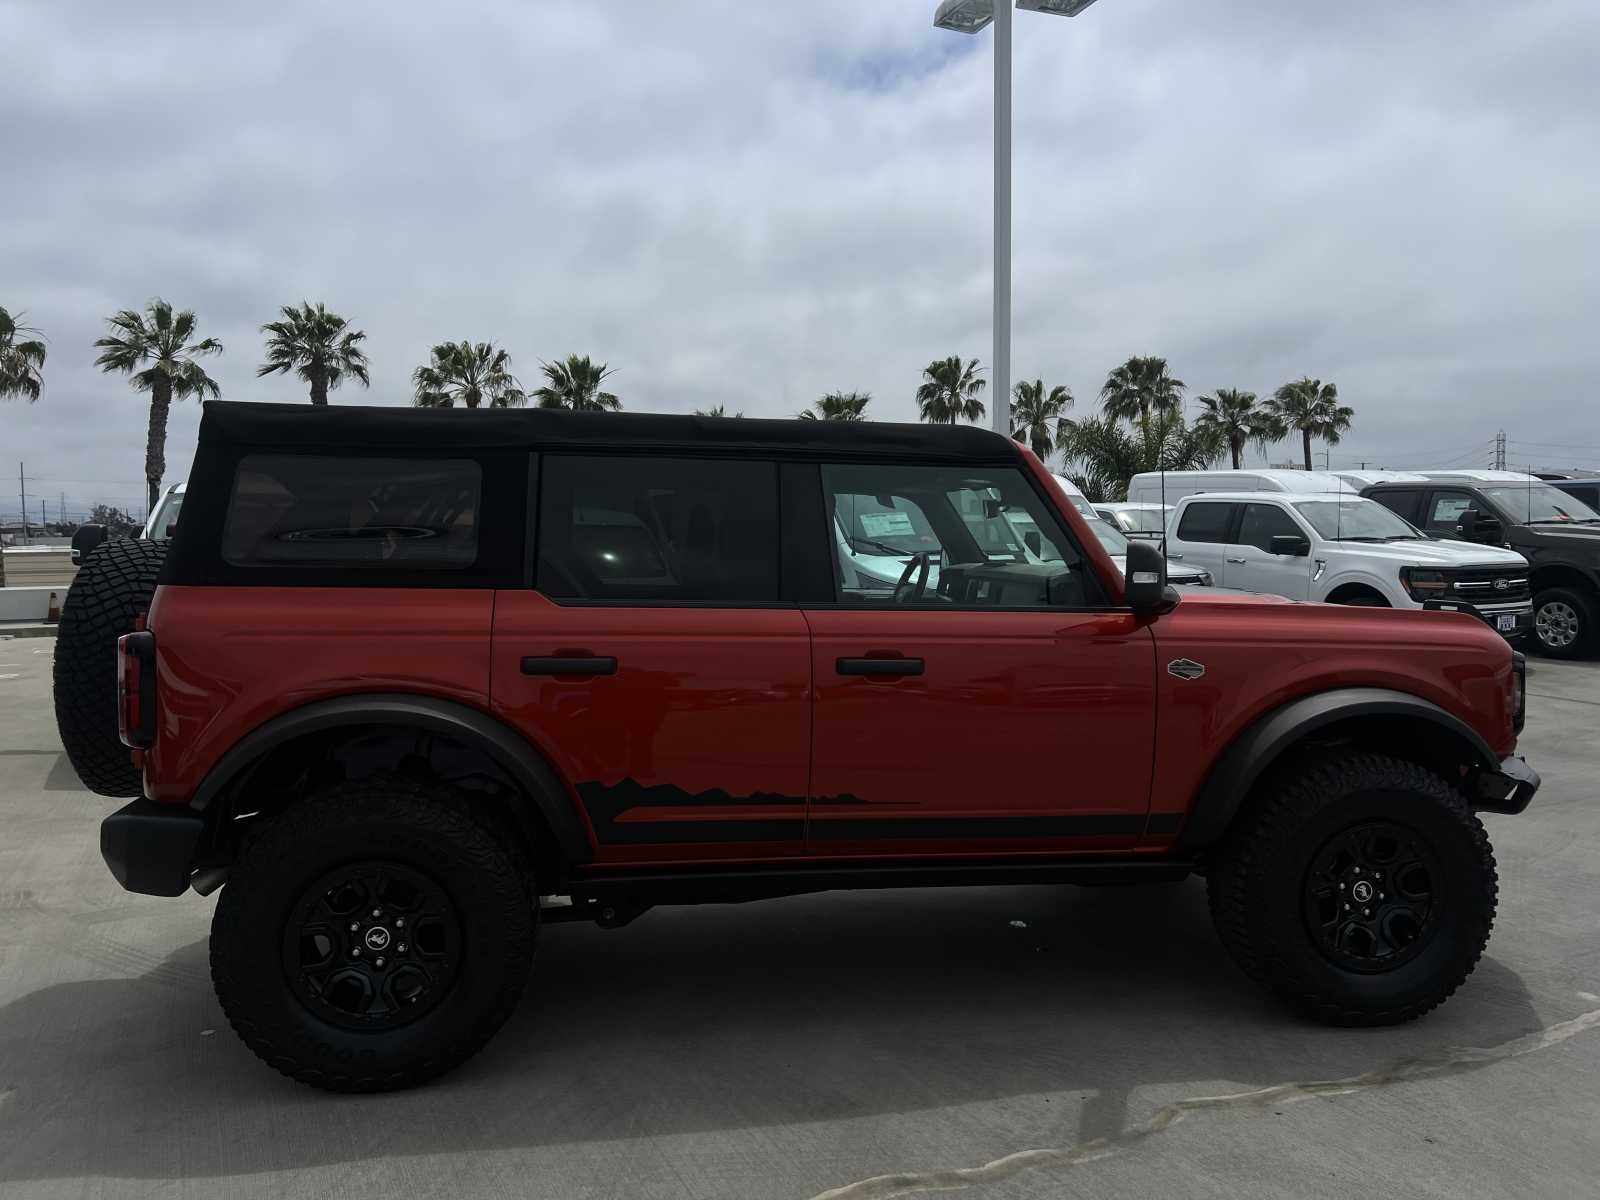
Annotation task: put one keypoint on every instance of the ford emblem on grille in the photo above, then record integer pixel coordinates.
(1185, 668)
(1501, 585)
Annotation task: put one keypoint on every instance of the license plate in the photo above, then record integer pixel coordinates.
(1506, 623)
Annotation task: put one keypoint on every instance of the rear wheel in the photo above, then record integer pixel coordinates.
(112, 587)
(1360, 890)
(372, 937)
(1565, 623)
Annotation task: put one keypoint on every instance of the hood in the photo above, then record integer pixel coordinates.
(1545, 530)
(1437, 554)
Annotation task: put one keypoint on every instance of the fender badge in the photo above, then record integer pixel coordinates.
(1185, 668)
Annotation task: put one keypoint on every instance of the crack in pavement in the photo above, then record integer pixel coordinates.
(1427, 1066)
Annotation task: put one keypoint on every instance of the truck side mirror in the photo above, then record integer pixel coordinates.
(87, 538)
(1146, 588)
(1475, 526)
(1292, 544)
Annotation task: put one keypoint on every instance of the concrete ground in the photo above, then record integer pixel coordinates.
(1004, 1042)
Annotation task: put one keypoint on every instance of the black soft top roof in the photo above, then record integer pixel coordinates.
(288, 426)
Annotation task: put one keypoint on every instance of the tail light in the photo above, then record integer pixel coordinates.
(136, 689)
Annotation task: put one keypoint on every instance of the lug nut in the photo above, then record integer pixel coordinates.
(1381, 896)
(1358, 871)
(1365, 912)
(355, 951)
(401, 948)
(1347, 908)
(399, 922)
(1341, 888)
(355, 926)
(377, 912)
(380, 962)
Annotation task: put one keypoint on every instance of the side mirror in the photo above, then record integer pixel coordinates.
(88, 538)
(1146, 587)
(1476, 527)
(1291, 544)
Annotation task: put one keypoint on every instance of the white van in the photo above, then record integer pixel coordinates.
(1148, 487)
(1365, 479)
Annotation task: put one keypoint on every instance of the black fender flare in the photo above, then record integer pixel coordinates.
(470, 725)
(1258, 747)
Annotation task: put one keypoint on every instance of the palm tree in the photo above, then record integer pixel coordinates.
(1034, 409)
(575, 385)
(317, 345)
(839, 406)
(1237, 419)
(949, 391)
(475, 374)
(1139, 387)
(716, 410)
(157, 340)
(21, 363)
(1107, 454)
(1313, 408)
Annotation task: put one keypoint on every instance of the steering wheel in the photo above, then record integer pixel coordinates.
(906, 592)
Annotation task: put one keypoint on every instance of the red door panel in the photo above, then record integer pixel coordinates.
(696, 748)
(1024, 731)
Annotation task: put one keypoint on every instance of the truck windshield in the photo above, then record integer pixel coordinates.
(1355, 520)
(1540, 502)
(1144, 520)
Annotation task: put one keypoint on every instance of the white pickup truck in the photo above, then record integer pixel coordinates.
(1344, 550)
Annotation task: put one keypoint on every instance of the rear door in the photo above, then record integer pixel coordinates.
(1249, 563)
(971, 707)
(653, 660)
(1200, 538)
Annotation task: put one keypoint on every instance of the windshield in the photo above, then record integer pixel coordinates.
(1144, 520)
(166, 517)
(1356, 521)
(1110, 537)
(1541, 502)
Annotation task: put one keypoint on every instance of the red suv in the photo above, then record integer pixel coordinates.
(411, 683)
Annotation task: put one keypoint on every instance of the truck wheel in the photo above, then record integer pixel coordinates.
(1361, 890)
(372, 936)
(1564, 623)
(112, 587)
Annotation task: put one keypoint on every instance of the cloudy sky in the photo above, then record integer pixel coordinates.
(749, 202)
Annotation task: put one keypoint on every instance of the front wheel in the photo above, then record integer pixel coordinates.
(1361, 890)
(372, 937)
(1565, 624)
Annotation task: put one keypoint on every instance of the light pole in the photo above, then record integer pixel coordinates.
(970, 16)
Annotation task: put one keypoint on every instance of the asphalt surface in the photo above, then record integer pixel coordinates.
(1002, 1042)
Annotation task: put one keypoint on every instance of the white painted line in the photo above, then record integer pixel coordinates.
(13, 675)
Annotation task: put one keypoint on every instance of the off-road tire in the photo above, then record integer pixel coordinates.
(112, 587)
(1584, 610)
(423, 828)
(1257, 880)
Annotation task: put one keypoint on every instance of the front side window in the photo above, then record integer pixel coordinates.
(1445, 509)
(1207, 521)
(658, 530)
(295, 510)
(1263, 522)
(948, 537)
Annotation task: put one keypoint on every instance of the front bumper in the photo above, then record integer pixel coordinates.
(1507, 790)
(151, 848)
(1511, 621)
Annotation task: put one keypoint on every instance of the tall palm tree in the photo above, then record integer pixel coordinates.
(153, 347)
(317, 345)
(575, 385)
(1034, 409)
(1237, 418)
(1139, 387)
(1106, 454)
(21, 362)
(474, 374)
(949, 391)
(1313, 408)
(839, 406)
(716, 410)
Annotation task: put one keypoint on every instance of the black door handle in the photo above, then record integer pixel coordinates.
(590, 664)
(878, 666)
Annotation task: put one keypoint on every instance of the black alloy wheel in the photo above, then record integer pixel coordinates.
(1373, 896)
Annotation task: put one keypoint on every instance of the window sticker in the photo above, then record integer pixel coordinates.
(887, 524)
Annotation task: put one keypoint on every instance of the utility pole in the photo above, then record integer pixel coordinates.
(1500, 451)
(22, 486)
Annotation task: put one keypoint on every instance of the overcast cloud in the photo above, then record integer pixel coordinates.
(749, 203)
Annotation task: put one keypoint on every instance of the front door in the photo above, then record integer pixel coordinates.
(653, 663)
(988, 700)
(1249, 563)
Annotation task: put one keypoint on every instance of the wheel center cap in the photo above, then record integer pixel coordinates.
(377, 938)
(1362, 891)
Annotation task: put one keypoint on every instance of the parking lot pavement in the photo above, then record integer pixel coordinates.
(1011, 1042)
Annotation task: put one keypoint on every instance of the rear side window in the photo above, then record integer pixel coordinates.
(1205, 522)
(668, 530)
(1402, 503)
(381, 513)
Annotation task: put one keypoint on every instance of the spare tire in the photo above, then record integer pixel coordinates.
(113, 586)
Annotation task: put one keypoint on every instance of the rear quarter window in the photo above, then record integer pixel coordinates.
(371, 513)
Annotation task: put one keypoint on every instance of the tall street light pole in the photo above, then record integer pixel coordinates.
(971, 16)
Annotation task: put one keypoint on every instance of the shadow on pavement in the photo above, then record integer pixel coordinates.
(794, 1011)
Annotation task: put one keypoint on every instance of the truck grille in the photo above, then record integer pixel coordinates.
(1482, 585)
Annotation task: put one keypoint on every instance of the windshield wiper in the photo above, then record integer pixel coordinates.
(1402, 537)
(859, 543)
(1348, 538)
